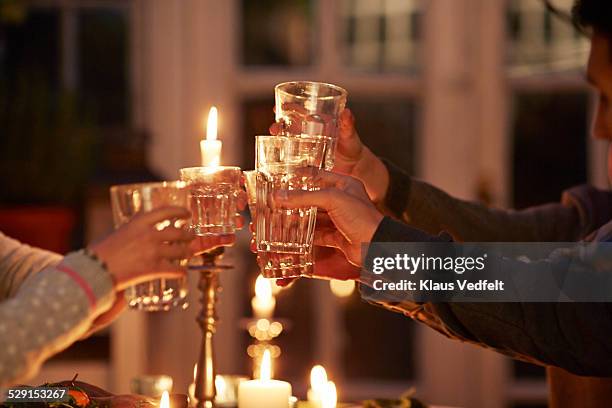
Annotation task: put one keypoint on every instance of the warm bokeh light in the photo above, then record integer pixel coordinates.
(329, 398)
(263, 288)
(211, 126)
(342, 288)
(275, 288)
(318, 379)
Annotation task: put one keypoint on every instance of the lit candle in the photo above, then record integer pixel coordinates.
(330, 396)
(210, 147)
(165, 400)
(263, 303)
(322, 393)
(264, 392)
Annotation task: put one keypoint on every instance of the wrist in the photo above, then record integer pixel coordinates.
(374, 175)
(374, 224)
(97, 253)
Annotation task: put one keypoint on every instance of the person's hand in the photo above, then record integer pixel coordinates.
(350, 220)
(138, 252)
(109, 316)
(352, 157)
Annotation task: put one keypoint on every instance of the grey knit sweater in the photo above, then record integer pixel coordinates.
(46, 303)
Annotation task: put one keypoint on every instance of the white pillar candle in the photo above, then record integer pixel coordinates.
(264, 392)
(210, 148)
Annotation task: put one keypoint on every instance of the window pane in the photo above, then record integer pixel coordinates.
(550, 135)
(381, 35)
(103, 64)
(541, 41)
(387, 126)
(29, 49)
(277, 32)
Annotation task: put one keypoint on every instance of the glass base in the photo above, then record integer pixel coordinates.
(278, 265)
(148, 306)
(158, 295)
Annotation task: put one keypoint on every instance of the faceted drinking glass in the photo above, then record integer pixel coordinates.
(284, 236)
(127, 201)
(214, 191)
(275, 264)
(310, 109)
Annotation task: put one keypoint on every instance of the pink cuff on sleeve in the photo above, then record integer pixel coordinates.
(81, 282)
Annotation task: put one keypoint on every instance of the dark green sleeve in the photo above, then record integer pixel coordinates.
(572, 336)
(432, 210)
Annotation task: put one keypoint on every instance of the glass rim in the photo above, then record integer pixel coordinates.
(179, 184)
(209, 169)
(342, 92)
(295, 139)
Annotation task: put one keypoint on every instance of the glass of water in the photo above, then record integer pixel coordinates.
(214, 193)
(284, 236)
(127, 201)
(275, 264)
(310, 109)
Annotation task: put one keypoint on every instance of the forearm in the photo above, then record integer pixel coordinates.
(542, 333)
(19, 261)
(432, 210)
(51, 310)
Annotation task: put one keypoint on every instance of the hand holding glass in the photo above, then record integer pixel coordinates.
(132, 199)
(284, 236)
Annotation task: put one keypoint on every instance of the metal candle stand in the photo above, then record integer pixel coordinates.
(207, 319)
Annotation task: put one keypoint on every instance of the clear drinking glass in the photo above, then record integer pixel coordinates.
(213, 198)
(310, 109)
(129, 200)
(284, 236)
(275, 264)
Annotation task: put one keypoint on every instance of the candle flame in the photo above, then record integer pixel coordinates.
(329, 398)
(263, 288)
(165, 400)
(265, 370)
(211, 126)
(318, 379)
(195, 371)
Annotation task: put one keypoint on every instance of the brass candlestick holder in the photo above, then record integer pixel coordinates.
(214, 191)
(207, 319)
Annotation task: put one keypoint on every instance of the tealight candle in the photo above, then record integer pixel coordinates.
(264, 392)
(263, 303)
(210, 148)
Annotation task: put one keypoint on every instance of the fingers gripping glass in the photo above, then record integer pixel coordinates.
(284, 237)
(129, 200)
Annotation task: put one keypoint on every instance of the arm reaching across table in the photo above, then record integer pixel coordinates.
(49, 302)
